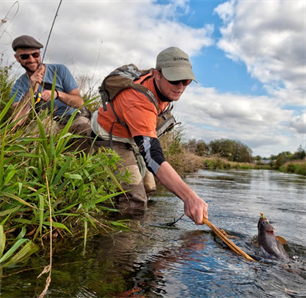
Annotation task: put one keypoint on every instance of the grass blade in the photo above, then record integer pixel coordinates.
(57, 225)
(11, 251)
(9, 211)
(12, 196)
(62, 171)
(41, 212)
(2, 240)
(24, 252)
(22, 233)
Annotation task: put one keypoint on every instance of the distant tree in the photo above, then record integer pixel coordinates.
(299, 154)
(273, 157)
(258, 158)
(202, 148)
(232, 150)
(242, 152)
(222, 147)
(191, 146)
(282, 158)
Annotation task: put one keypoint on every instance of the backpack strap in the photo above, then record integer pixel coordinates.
(125, 77)
(148, 93)
(136, 86)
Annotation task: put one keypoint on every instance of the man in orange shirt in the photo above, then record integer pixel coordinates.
(167, 82)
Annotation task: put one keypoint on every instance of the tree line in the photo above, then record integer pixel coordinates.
(230, 149)
(236, 151)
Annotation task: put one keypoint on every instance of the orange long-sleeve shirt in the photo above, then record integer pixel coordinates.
(135, 110)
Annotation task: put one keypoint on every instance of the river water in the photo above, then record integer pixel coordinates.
(155, 259)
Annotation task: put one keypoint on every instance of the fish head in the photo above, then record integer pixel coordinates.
(268, 242)
(264, 226)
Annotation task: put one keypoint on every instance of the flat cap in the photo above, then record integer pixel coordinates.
(26, 41)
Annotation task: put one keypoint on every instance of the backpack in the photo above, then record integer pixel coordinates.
(123, 78)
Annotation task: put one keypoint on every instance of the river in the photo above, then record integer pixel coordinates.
(155, 259)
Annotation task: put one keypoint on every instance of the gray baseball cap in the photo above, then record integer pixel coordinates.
(26, 41)
(175, 65)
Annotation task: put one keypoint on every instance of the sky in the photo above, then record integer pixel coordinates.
(249, 58)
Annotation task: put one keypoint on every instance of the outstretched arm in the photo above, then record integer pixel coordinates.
(150, 149)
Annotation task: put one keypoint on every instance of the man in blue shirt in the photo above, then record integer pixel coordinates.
(39, 78)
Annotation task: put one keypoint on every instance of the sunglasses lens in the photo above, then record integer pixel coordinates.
(24, 56)
(184, 82)
(35, 55)
(27, 56)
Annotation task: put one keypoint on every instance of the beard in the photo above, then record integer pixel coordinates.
(29, 70)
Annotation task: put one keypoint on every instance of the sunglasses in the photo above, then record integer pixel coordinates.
(184, 82)
(27, 56)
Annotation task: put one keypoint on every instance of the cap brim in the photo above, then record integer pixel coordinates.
(178, 73)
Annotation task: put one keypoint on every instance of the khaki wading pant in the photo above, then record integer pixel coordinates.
(140, 187)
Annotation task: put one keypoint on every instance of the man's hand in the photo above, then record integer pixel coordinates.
(37, 77)
(46, 95)
(196, 209)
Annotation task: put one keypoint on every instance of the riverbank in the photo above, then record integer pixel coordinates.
(185, 162)
(296, 167)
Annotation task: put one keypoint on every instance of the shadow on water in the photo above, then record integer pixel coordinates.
(155, 259)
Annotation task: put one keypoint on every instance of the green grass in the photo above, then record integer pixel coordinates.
(45, 187)
(295, 167)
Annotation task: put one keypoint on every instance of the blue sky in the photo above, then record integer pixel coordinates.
(249, 58)
(212, 67)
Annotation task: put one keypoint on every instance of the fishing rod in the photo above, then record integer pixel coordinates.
(37, 94)
(50, 32)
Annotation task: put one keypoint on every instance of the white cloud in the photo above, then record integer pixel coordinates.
(298, 124)
(97, 36)
(269, 37)
(258, 122)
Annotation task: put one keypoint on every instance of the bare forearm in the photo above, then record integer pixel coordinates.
(72, 100)
(172, 181)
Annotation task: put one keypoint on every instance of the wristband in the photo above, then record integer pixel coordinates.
(56, 94)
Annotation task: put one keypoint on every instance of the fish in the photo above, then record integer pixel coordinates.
(270, 244)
